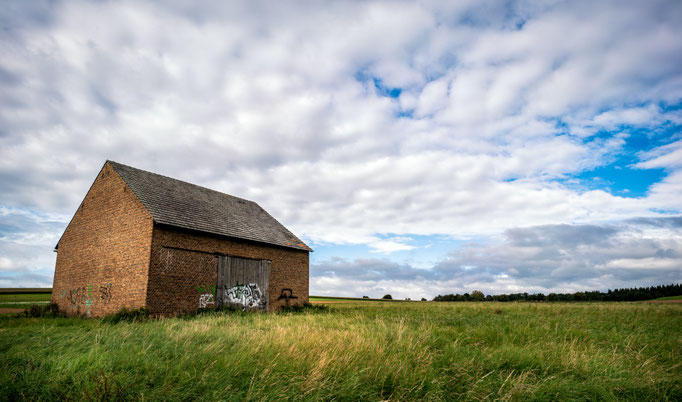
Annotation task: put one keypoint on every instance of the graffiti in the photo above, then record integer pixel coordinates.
(205, 299)
(206, 296)
(287, 294)
(84, 296)
(249, 296)
(105, 293)
(78, 295)
(206, 289)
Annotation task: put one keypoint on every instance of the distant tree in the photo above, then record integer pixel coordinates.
(365, 297)
(423, 299)
(407, 298)
(477, 295)
(625, 294)
(389, 297)
(579, 296)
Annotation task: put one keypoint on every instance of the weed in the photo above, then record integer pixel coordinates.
(126, 315)
(213, 311)
(45, 311)
(303, 308)
(102, 387)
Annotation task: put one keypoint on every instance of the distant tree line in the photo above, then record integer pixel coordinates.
(625, 294)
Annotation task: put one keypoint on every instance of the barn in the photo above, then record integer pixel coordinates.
(140, 239)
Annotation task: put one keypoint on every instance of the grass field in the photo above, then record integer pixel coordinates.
(331, 298)
(670, 298)
(22, 300)
(357, 350)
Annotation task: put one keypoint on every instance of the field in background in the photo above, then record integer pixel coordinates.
(357, 350)
(315, 299)
(23, 298)
(670, 298)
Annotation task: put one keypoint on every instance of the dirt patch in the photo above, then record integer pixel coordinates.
(665, 301)
(4, 310)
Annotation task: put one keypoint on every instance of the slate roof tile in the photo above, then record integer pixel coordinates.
(184, 205)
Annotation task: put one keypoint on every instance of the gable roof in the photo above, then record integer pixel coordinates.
(184, 205)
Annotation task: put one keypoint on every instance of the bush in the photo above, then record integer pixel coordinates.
(388, 297)
(477, 295)
(47, 311)
(134, 315)
(302, 308)
(365, 297)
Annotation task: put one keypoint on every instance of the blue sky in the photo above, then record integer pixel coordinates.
(420, 148)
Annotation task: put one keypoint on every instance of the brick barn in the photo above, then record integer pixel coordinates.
(140, 239)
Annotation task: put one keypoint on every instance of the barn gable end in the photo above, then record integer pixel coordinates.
(103, 255)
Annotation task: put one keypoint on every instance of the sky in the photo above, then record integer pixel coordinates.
(420, 148)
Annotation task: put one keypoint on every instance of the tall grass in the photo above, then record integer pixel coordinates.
(364, 350)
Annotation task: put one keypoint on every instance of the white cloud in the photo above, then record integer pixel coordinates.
(6, 264)
(667, 156)
(390, 245)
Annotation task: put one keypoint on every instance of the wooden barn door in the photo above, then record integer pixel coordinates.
(242, 282)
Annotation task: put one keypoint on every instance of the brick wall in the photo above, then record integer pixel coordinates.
(103, 256)
(184, 267)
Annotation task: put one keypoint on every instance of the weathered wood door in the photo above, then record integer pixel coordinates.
(242, 282)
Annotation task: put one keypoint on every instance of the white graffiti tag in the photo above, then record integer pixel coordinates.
(249, 296)
(206, 299)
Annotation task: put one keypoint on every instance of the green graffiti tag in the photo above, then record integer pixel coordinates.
(206, 289)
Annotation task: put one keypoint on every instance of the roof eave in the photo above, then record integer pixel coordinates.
(303, 247)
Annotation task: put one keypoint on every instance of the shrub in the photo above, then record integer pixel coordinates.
(365, 297)
(477, 295)
(48, 311)
(388, 297)
(133, 315)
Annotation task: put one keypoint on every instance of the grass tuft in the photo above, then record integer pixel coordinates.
(127, 315)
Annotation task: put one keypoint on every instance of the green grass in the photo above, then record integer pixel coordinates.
(23, 300)
(670, 298)
(364, 350)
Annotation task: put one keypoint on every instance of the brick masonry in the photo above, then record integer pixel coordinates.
(113, 255)
(103, 255)
(184, 266)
